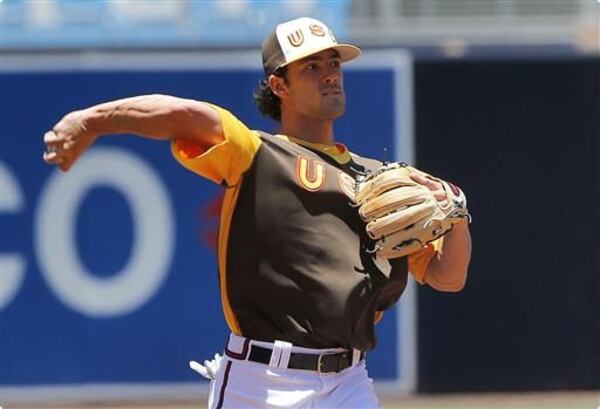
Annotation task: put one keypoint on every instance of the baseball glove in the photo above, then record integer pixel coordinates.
(403, 215)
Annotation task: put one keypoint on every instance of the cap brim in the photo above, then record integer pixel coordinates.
(347, 52)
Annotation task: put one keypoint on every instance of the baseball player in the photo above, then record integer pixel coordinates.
(301, 286)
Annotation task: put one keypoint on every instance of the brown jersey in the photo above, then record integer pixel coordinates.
(294, 256)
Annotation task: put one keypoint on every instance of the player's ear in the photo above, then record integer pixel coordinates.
(278, 86)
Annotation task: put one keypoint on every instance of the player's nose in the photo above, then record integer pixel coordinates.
(332, 77)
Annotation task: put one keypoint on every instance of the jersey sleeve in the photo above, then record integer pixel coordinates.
(225, 162)
(419, 261)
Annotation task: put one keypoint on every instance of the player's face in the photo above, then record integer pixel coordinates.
(316, 87)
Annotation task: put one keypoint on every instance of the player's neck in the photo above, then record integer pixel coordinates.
(312, 130)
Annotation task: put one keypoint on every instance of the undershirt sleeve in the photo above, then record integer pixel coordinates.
(419, 261)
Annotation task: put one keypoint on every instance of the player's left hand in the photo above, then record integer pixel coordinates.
(405, 209)
(67, 140)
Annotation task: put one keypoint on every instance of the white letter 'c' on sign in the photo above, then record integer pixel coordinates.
(12, 265)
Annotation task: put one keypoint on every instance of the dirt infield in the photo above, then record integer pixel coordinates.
(552, 400)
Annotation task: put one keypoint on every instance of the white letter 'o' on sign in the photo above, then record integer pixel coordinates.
(153, 234)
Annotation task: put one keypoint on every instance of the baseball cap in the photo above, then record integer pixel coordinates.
(295, 39)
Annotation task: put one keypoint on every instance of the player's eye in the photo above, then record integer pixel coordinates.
(335, 63)
(312, 67)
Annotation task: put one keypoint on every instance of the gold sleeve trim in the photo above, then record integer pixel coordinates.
(225, 161)
(229, 201)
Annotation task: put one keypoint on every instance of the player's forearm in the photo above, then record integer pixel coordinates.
(150, 116)
(155, 117)
(448, 270)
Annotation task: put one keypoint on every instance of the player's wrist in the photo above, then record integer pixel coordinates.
(462, 225)
(91, 121)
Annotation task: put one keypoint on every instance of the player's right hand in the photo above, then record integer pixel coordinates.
(67, 140)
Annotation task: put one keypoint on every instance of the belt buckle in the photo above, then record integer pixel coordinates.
(320, 362)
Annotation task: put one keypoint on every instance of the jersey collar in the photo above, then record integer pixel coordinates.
(337, 151)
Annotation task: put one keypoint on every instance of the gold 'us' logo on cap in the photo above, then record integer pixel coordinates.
(317, 30)
(296, 38)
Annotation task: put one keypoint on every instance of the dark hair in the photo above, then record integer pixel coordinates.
(266, 101)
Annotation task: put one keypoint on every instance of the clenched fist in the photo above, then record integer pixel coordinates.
(67, 140)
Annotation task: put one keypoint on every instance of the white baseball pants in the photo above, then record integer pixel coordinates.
(239, 383)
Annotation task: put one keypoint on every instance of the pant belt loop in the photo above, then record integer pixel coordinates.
(237, 347)
(356, 353)
(280, 357)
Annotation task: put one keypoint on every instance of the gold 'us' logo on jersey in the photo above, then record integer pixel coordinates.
(296, 38)
(310, 173)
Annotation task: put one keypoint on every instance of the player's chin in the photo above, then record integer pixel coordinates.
(334, 107)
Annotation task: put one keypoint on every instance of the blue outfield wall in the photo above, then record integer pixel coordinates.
(108, 271)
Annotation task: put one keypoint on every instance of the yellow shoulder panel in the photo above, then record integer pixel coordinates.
(226, 161)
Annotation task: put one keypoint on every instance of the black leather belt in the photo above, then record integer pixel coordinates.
(324, 363)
